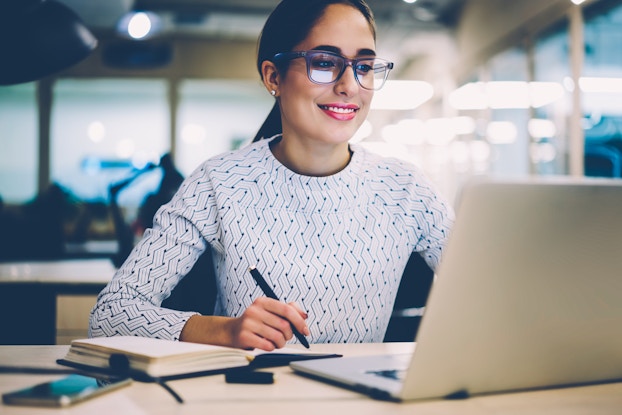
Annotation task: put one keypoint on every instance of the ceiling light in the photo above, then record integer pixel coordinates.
(505, 95)
(140, 25)
(125, 148)
(408, 131)
(439, 131)
(540, 128)
(501, 132)
(463, 125)
(471, 96)
(402, 95)
(194, 134)
(480, 151)
(96, 131)
(544, 93)
(608, 85)
(542, 152)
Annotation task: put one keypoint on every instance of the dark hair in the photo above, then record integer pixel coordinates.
(288, 25)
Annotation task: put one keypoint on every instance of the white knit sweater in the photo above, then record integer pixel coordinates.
(336, 245)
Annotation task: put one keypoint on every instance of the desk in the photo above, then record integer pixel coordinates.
(28, 292)
(296, 395)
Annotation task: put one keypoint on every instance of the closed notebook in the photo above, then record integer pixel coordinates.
(146, 359)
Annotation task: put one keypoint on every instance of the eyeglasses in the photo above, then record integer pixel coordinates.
(325, 68)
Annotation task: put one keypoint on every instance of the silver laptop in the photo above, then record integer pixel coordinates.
(528, 296)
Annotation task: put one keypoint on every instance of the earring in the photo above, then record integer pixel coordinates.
(273, 93)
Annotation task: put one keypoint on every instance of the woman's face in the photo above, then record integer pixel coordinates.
(332, 113)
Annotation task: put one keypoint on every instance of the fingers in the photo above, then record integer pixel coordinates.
(266, 324)
(251, 336)
(302, 328)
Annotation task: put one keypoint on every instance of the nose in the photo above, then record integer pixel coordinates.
(347, 84)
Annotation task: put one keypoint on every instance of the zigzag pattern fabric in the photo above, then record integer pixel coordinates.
(336, 245)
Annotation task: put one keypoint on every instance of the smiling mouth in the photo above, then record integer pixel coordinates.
(339, 110)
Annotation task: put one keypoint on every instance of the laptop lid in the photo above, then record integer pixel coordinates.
(528, 294)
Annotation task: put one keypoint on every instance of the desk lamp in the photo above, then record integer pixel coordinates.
(39, 38)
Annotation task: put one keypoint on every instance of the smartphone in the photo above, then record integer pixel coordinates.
(63, 392)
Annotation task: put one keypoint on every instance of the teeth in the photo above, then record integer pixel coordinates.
(340, 110)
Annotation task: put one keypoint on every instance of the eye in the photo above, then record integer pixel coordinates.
(324, 62)
(364, 67)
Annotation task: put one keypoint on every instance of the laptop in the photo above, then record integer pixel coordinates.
(528, 296)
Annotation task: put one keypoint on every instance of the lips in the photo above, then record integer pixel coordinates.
(340, 111)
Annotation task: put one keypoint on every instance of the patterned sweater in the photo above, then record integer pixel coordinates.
(336, 245)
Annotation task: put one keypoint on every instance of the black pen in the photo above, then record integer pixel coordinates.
(269, 293)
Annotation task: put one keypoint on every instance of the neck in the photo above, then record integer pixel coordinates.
(311, 160)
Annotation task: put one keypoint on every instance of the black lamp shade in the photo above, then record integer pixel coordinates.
(40, 38)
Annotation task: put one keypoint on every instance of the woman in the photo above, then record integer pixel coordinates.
(328, 224)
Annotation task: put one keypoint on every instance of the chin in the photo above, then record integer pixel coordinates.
(339, 139)
(342, 135)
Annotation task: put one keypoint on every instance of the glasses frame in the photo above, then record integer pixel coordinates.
(309, 54)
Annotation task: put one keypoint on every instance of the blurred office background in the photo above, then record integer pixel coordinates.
(480, 87)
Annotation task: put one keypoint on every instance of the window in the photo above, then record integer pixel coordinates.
(102, 130)
(217, 116)
(19, 143)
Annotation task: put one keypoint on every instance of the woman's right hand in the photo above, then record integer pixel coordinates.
(265, 325)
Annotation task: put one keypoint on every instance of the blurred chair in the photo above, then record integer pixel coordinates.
(197, 290)
(410, 302)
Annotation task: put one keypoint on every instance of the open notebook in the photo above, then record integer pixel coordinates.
(150, 359)
(528, 295)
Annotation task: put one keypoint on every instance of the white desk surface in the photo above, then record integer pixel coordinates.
(296, 395)
(72, 271)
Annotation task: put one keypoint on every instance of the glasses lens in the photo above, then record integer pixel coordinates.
(324, 68)
(371, 73)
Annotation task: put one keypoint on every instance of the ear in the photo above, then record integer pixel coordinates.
(271, 77)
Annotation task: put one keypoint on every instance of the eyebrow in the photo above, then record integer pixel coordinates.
(334, 49)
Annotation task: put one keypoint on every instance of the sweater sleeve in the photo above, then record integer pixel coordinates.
(130, 303)
(433, 217)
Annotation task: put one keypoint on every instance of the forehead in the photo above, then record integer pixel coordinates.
(341, 26)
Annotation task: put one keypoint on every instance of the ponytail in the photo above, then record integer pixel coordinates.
(272, 125)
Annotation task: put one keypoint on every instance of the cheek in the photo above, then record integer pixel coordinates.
(297, 89)
(366, 97)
